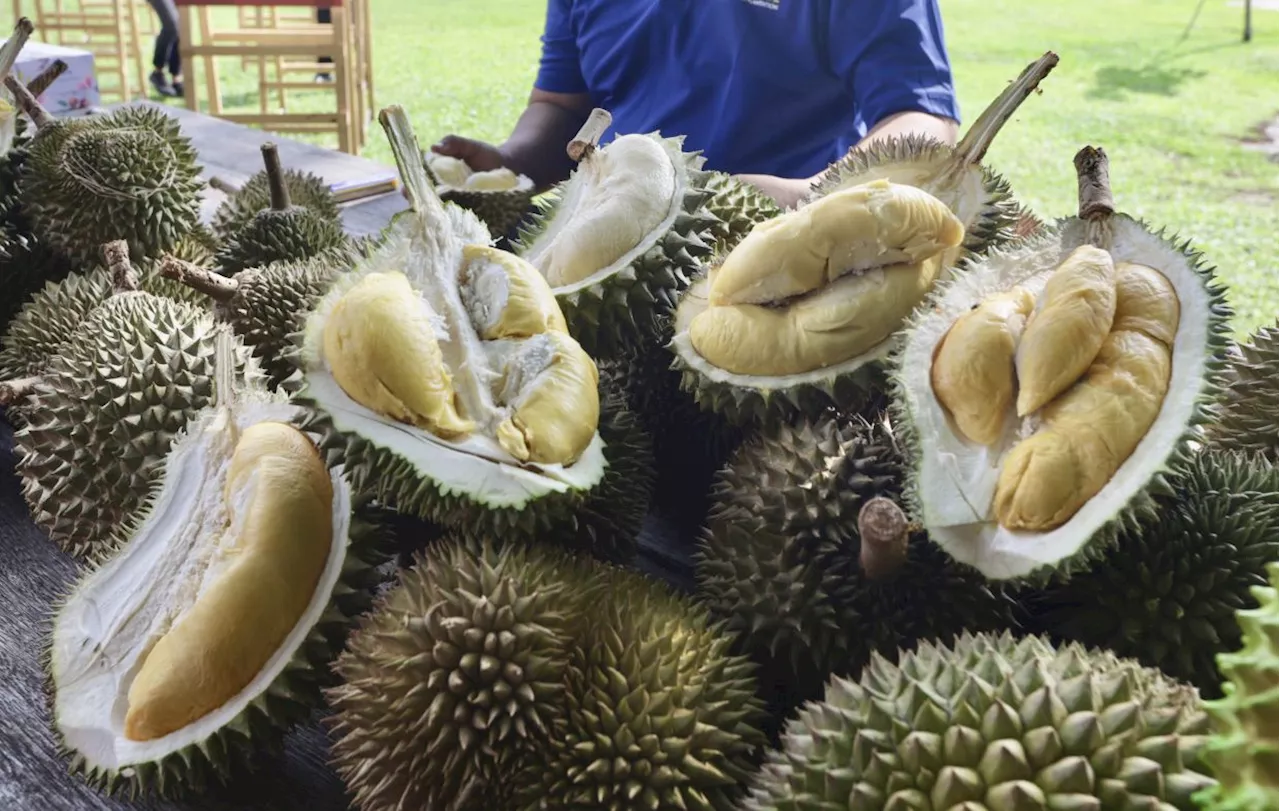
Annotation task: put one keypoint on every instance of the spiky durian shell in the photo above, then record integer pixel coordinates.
(1167, 593)
(992, 722)
(500, 209)
(659, 712)
(280, 236)
(14, 227)
(238, 747)
(1243, 752)
(129, 174)
(909, 402)
(1249, 411)
(111, 401)
(738, 206)
(630, 305)
(779, 559)
(305, 189)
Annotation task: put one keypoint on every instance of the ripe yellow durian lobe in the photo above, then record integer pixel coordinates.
(279, 498)
(552, 388)
(506, 296)
(1065, 333)
(1090, 430)
(381, 345)
(873, 225)
(449, 170)
(500, 179)
(973, 371)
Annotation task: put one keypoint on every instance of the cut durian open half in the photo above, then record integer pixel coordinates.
(499, 197)
(618, 239)
(801, 314)
(210, 629)
(440, 367)
(1046, 390)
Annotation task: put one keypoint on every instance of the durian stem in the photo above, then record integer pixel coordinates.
(975, 143)
(222, 185)
(588, 137)
(46, 78)
(123, 277)
(11, 391)
(14, 44)
(27, 103)
(882, 528)
(418, 188)
(275, 178)
(213, 285)
(1096, 204)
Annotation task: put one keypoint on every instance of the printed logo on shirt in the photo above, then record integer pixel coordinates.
(772, 5)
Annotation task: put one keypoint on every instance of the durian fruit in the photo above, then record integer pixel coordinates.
(129, 174)
(783, 560)
(441, 370)
(618, 239)
(1249, 411)
(1045, 393)
(499, 197)
(281, 231)
(243, 204)
(9, 114)
(209, 629)
(1167, 593)
(104, 409)
(739, 207)
(1243, 752)
(992, 722)
(801, 315)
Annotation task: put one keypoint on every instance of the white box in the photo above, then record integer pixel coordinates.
(75, 92)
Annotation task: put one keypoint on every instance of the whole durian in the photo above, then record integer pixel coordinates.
(1167, 593)
(1249, 411)
(992, 722)
(1047, 392)
(803, 312)
(280, 232)
(499, 197)
(209, 628)
(305, 189)
(738, 207)
(1243, 752)
(618, 239)
(128, 174)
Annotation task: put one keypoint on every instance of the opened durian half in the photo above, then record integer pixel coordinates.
(801, 314)
(499, 197)
(618, 240)
(440, 367)
(1047, 390)
(210, 629)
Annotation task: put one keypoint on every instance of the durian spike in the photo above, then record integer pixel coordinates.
(27, 103)
(275, 178)
(46, 77)
(123, 277)
(1096, 204)
(214, 285)
(979, 137)
(13, 45)
(883, 529)
(11, 391)
(418, 188)
(589, 135)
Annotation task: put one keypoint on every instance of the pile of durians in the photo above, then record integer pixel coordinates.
(984, 508)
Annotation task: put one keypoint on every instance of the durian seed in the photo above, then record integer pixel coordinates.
(883, 530)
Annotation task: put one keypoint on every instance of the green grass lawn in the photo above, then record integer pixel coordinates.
(1170, 112)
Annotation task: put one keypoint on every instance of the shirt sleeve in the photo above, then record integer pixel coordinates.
(892, 57)
(559, 70)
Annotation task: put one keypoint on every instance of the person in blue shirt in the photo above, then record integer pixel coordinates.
(772, 91)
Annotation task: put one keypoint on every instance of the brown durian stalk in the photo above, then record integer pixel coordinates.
(884, 534)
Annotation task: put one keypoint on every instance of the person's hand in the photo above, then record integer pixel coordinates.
(478, 155)
(787, 192)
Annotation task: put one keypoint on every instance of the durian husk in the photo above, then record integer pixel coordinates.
(305, 189)
(1249, 411)
(500, 209)
(739, 206)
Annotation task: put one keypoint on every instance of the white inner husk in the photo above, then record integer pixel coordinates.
(580, 189)
(124, 607)
(957, 479)
(477, 466)
(965, 199)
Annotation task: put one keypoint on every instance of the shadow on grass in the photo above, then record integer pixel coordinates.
(1115, 82)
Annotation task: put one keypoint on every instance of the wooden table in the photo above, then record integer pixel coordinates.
(33, 573)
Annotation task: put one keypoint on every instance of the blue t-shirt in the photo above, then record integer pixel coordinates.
(778, 87)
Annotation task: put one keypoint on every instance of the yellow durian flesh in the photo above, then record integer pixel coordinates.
(839, 322)
(279, 499)
(382, 347)
(500, 179)
(506, 296)
(551, 387)
(874, 225)
(450, 171)
(973, 372)
(1067, 330)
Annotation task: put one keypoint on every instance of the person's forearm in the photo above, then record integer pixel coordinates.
(537, 146)
(911, 122)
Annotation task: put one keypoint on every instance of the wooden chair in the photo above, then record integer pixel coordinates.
(109, 29)
(202, 42)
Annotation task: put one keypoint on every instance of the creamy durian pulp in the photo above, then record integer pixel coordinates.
(456, 174)
(823, 284)
(188, 624)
